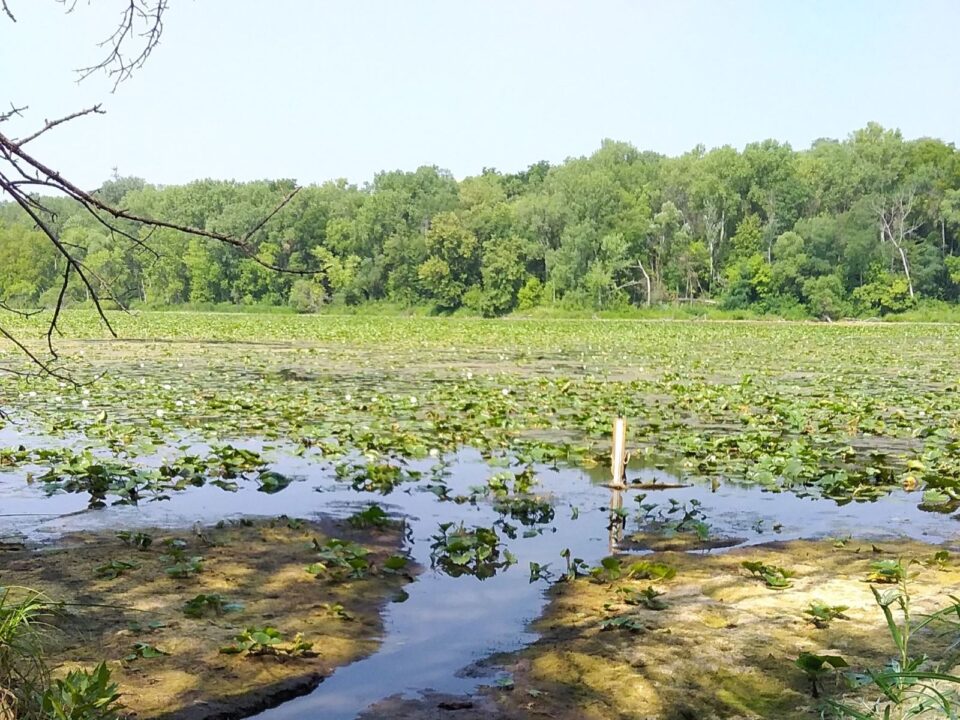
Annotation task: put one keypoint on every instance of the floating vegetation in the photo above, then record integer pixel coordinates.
(457, 550)
(373, 516)
(393, 408)
(712, 408)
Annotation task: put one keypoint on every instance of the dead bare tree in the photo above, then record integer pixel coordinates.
(897, 226)
(27, 181)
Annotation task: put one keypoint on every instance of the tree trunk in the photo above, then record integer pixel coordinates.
(906, 268)
(903, 255)
(893, 227)
(646, 277)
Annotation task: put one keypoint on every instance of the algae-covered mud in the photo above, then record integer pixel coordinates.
(716, 640)
(217, 621)
(424, 503)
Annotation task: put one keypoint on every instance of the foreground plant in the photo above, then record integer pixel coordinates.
(910, 686)
(23, 673)
(26, 690)
(83, 695)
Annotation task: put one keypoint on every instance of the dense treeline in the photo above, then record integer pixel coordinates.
(866, 225)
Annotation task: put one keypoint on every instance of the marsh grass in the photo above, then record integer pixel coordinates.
(23, 673)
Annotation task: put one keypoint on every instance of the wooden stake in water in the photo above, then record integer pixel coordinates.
(618, 458)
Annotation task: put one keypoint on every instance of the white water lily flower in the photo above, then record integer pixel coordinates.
(179, 403)
(166, 387)
(348, 397)
(413, 400)
(434, 452)
(85, 403)
(469, 375)
(86, 391)
(160, 413)
(505, 391)
(143, 381)
(32, 393)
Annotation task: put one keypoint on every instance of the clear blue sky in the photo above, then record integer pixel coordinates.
(315, 90)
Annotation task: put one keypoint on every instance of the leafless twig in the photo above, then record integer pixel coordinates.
(26, 180)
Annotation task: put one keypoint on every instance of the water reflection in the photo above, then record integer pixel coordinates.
(618, 520)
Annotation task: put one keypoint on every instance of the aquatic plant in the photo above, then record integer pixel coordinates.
(139, 540)
(115, 568)
(773, 576)
(649, 597)
(458, 550)
(255, 641)
(145, 651)
(886, 572)
(381, 477)
(373, 516)
(184, 567)
(623, 622)
(817, 667)
(614, 568)
(338, 559)
(821, 614)
(200, 605)
(576, 567)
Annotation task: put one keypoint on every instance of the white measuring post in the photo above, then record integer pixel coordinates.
(618, 458)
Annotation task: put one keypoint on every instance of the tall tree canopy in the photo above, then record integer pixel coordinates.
(869, 224)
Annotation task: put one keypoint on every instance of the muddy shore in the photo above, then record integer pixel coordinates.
(257, 567)
(722, 646)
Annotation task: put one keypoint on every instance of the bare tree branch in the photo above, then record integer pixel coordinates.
(28, 181)
(140, 20)
(50, 124)
(12, 112)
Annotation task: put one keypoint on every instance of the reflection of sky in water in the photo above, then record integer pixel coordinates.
(447, 624)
